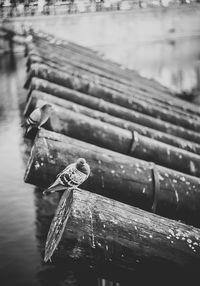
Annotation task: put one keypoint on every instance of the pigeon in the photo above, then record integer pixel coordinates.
(71, 177)
(37, 118)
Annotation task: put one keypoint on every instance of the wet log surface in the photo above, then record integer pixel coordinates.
(136, 80)
(36, 58)
(132, 181)
(111, 235)
(37, 97)
(113, 109)
(98, 65)
(85, 128)
(93, 88)
(102, 232)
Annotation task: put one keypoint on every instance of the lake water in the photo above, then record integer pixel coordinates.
(18, 245)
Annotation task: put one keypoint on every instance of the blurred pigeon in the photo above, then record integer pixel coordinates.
(37, 118)
(71, 177)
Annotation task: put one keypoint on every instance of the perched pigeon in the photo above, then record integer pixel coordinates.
(71, 177)
(37, 118)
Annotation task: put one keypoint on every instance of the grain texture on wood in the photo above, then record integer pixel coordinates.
(95, 89)
(113, 109)
(105, 232)
(37, 97)
(94, 131)
(124, 178)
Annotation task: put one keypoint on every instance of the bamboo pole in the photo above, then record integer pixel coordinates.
(105, 65)
(112, 236)
(55, 62)
(129, 180)
(63, 66)
(115, 74)
(172, 101)
(94, 131)
(92, 88)
(113, 109)
(37, 96)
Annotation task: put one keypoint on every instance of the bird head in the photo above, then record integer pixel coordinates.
(83, 166)
(47, 108)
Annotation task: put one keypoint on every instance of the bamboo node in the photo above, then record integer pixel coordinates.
(156, 186)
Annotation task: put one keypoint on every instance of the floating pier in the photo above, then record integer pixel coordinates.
(143, 146)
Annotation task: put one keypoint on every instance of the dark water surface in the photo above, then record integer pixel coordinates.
(19, 259)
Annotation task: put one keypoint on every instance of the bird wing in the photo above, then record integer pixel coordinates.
(44, 118)
(58, 223)
(73, 165)
(35, 117)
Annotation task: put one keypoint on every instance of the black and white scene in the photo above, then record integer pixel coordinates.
(99, 142)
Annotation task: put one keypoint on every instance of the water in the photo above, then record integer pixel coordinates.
(18, 246)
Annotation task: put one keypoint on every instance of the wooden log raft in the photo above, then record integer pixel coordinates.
(113, 109)
(182, 108)
(54, 62)
(144, 83)
(113, 236)
(37, 97)
(108, 136)
(55, 59)
(130, 74)
(85, 75)
(92, 88)
(132, 181)
(102, 68)
(86, 64)
(37, 55)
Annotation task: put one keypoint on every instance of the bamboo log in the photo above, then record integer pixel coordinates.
(55, 62)
(63, 44)
(38, 96)
(113, 85)
(112, 236)
(171, 100)
(103, 69)
(80, 63)
(182, 104)
(129, 180)
(113, 109)
(108, 136)
(104, 72)
(72, 81)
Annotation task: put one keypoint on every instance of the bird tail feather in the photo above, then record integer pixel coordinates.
(53, 189)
